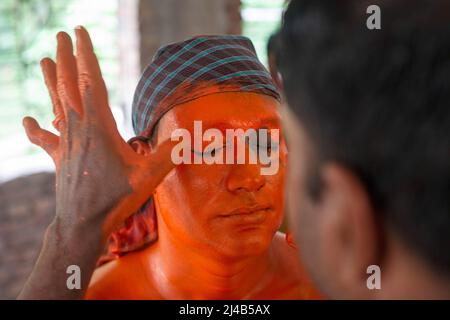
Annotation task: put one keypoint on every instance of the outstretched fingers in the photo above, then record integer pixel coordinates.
(92, 87)
(67, 77)
(41, 137)
(87, 62)
(48, 68)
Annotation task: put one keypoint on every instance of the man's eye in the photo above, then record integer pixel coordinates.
(207, 152)
(268, 147)
(214, 151)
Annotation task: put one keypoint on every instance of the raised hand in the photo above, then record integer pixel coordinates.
(100, 180)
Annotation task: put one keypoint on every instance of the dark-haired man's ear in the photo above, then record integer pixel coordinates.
(140, 145)
(349, 240)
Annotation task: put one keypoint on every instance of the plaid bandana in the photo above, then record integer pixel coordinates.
(187, 70)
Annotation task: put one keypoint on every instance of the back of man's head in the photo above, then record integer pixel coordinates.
(378, 102)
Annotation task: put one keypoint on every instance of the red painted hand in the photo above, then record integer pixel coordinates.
(100, 180)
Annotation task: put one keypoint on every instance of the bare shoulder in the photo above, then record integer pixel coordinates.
(107, 279)
(120, 279)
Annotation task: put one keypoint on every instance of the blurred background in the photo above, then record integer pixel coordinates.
(126, 34)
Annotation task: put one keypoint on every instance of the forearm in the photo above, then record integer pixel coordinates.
(100, 178)
(63, 247)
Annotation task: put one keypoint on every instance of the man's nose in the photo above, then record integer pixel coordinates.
(245, 177)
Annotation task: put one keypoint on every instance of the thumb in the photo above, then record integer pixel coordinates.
(41, 137)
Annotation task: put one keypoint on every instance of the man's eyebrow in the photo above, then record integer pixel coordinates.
(237, 124)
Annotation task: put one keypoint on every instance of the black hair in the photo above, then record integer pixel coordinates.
(378, 102)
(272, 43)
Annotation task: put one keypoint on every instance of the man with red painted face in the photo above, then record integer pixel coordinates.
(206, 231)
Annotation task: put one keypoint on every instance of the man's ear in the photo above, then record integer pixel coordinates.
(351, 241)
(140, 145)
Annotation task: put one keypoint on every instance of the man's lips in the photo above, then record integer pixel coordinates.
(251, 215)
(246, 210)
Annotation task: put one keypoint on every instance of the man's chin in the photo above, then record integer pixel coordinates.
(248, 241)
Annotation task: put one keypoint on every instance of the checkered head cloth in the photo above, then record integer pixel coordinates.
(187, 70)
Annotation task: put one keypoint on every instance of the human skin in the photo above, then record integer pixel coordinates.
(339, 234)
(99, 177)
(204, 249)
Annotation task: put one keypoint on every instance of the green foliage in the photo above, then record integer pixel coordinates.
(260, 19)
(27, 34)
